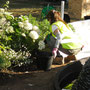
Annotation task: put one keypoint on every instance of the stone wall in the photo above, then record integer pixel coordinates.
(86, 8)
(79, 8)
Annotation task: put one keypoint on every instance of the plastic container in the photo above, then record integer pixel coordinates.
(44, 60)
(68, 73)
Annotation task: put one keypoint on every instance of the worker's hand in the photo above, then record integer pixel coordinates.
(54, 52)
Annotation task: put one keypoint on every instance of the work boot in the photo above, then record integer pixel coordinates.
(58, 60)
(70, 58)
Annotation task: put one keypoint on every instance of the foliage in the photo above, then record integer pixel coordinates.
(21, 35)
(69, 87)
(44, 27)
(6, 5)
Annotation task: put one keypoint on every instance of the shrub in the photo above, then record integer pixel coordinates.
(21, 35)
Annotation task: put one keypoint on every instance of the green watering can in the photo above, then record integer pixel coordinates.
(45, 10)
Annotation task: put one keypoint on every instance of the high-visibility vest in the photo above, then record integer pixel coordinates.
(69, 39)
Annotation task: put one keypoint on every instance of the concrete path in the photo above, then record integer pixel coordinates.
(83, 29)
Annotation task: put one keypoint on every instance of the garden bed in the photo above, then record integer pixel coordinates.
(29, 80)
(35, 79)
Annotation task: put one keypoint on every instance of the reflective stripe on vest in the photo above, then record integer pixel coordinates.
(69, 39)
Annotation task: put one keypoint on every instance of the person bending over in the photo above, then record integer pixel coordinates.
(62, 37)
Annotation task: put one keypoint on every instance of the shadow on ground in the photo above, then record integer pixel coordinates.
(34, 80)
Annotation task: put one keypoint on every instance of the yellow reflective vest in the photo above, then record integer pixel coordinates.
(69, 39)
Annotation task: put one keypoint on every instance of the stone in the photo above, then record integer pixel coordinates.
(79, 8)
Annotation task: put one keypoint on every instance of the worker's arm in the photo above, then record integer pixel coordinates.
(56, 32)
(58, 36)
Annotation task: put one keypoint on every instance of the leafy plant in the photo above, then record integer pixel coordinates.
(6, 5)
(69, 87)
(21, 35)
(44, 27)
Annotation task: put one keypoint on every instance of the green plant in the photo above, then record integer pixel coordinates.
(6, 5)
(4, 57)
(44, 27)
(21, 35)
(69, 87)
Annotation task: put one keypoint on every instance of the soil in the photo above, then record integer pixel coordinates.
(29, 77)
(29, 80)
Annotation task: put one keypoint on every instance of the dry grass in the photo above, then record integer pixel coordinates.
(26, 11)
(36, 12)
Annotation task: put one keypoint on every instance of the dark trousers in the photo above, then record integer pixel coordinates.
(69, 51)
(51, 44)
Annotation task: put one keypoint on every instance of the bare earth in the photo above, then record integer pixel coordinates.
(33, 80)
